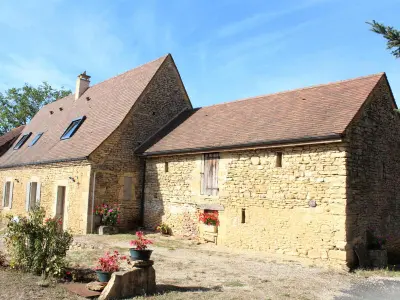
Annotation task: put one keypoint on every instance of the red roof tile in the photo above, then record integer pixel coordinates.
(317, 111)
(11, 135)
(110, 101)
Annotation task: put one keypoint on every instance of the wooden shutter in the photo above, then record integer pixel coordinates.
(4, 193)
(38, 194)
(28, 192)
(210, 174)
(10, 199)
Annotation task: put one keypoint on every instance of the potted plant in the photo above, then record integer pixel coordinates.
(140, 251)
(210, 221)
(107, 216)
(163, 228)
(108, 264)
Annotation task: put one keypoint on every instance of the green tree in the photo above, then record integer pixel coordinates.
(390, 34)
(19, 105)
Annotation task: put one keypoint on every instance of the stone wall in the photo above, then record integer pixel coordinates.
(373, 166)
(278, 217)
(163, 99)
(49, 177)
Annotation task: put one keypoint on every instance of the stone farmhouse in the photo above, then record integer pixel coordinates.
(303, 173)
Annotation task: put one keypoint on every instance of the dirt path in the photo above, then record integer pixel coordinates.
(209, 272)
(186, 270)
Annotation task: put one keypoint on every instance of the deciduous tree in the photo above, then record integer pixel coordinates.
(19, 105)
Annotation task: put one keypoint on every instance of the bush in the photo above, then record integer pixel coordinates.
(36, 244)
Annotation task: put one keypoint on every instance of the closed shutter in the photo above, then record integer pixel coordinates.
(10, 199)
(4, 193)
(38, 194)
(28, 190)
(210, 174)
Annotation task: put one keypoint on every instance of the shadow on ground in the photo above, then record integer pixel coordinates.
(167, 288)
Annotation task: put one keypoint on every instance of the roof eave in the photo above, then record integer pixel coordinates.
(308, 140)
(44, 162)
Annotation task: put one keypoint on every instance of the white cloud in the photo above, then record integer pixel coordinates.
(19, 70)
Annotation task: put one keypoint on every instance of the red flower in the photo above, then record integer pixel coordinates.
(141, 242)
(209, 218)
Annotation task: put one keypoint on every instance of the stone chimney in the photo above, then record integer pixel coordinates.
(82, 84)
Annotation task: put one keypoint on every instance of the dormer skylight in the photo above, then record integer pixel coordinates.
(22, 141)
(37, 137)
(72, 128)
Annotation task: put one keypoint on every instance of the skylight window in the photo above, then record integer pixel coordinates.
(72, 128)
(37, 137)
(22, 141)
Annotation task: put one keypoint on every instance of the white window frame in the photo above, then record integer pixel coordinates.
(28, 194)
(10, 195)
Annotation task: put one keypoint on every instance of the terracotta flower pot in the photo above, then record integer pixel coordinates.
(140, 254)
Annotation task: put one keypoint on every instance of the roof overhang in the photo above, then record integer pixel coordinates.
(311, 140)
(43, 162)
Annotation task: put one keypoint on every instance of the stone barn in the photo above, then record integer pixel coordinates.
(304, 173)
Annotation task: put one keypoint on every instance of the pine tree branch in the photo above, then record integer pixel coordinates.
(391, 34)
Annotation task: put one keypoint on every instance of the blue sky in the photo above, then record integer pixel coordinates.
(225, 49)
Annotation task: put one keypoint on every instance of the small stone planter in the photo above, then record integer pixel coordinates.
(378, 258)
(210, 228)
(107, 230)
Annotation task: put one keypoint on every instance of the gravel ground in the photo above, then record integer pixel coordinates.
(186, 270)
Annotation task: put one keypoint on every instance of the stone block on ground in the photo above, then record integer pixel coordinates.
(125, 284)
(96, 286)
(107, 230)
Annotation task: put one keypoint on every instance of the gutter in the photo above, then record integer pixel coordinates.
(44, 162)
(309, 140)
(141, 216)
(93, 193)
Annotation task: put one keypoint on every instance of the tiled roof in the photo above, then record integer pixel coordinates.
(105, 105)
(313, 112)
(11, 135)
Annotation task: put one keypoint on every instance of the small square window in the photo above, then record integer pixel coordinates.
(22, 141)
(279, 159)
(72, 128)
(37, 137)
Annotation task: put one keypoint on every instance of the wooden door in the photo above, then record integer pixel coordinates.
(60, 204)
(210, 174)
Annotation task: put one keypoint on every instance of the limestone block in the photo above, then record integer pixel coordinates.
(255, 160)
(135, 282)
(314, 253)
(337, 254)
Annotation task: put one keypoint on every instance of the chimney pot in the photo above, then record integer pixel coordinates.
(82, 84)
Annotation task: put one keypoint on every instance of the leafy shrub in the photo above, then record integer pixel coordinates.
(36, 244)
(109, 214)
(163, 228)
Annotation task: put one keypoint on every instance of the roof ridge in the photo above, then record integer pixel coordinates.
(149, 62)
(298, 89)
